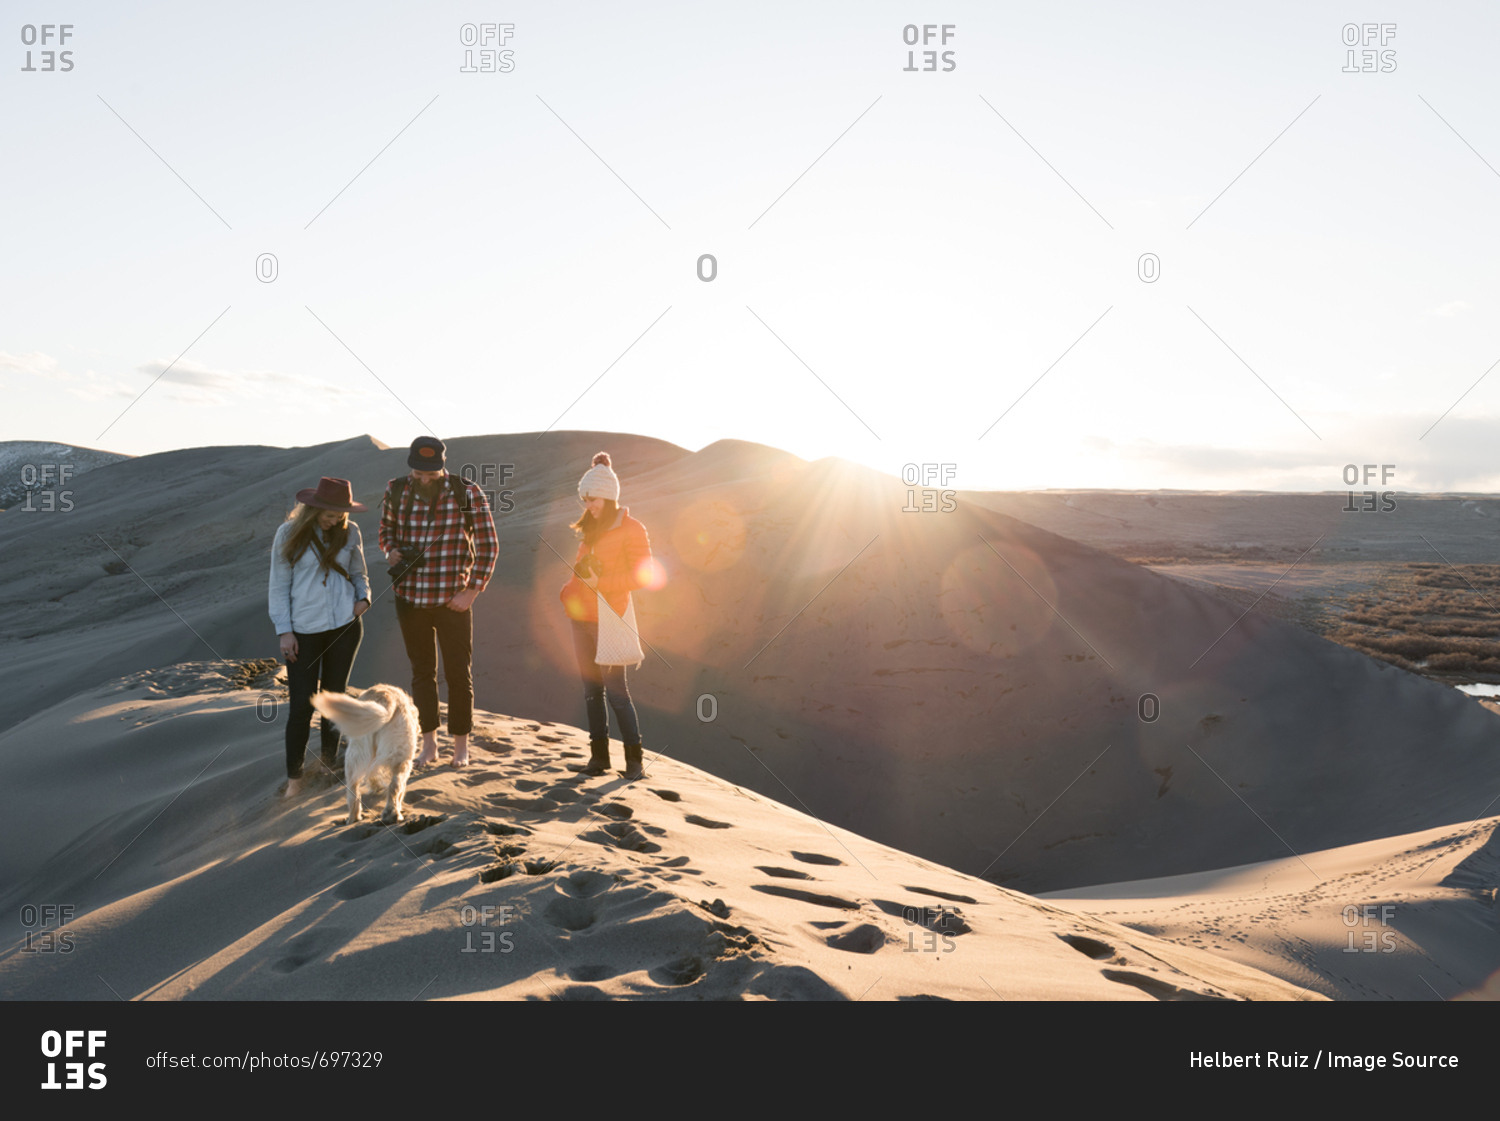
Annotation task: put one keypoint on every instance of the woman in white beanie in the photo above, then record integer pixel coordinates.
(614, 559)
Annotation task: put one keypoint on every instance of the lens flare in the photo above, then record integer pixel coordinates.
(709, 535)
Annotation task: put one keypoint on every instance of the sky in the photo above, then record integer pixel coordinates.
(1121, 246)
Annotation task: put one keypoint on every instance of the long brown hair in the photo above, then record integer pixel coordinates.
(591, 528)
(304, 520)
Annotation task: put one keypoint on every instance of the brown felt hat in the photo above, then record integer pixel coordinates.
(331, 494)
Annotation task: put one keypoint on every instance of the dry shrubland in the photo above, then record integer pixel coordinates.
(1437, 619)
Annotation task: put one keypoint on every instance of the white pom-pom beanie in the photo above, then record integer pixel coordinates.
(600, 480)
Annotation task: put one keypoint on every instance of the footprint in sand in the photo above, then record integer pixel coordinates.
(1155, 986)
(617, 810)
(861, 938)
(783, 873)
(307, 947)
(623, 835)
(359, 833)
(943, 920)
(807, 896)
(436, 847)
(680, 971)
(519, 802)
(501, 829)
(707, 822)
(585, 883)
(815, 858)
(582, 992)
(667, 795)
(571, 913)
(592, 972)
(1090, 947)
(942, 894)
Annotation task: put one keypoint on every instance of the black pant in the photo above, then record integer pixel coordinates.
(424, 630)
(323, 663)
(601, 683)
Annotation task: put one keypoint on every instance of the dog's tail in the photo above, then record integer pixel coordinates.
(356, 717)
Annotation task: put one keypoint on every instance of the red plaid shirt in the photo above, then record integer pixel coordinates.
(451, 562)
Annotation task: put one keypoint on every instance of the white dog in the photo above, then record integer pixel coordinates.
(381, 724)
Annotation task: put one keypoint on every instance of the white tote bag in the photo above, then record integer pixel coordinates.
(619, 642)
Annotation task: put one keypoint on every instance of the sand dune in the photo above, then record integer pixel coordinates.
(959, 685)
(514, 878)
(989, 697)
(1401, 918)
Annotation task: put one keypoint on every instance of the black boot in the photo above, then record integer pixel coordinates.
(598, 759)
(633, 768)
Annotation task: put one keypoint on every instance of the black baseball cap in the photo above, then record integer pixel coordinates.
(427, 454)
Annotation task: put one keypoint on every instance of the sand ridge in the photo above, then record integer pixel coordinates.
(519, 878)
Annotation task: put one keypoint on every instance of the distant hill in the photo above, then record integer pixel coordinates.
(38, 468)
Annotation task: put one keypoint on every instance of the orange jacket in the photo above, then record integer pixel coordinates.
(624, 553)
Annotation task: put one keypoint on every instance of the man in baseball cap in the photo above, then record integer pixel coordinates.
(439, 539)
(428, 453)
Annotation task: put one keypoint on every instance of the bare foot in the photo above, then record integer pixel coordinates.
(461, 751)
(292, 789)
(429, 750)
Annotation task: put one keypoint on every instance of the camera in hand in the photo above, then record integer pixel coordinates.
(586, 567)
(410, 562)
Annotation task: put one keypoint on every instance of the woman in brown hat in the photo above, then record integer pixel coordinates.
(319, 589)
